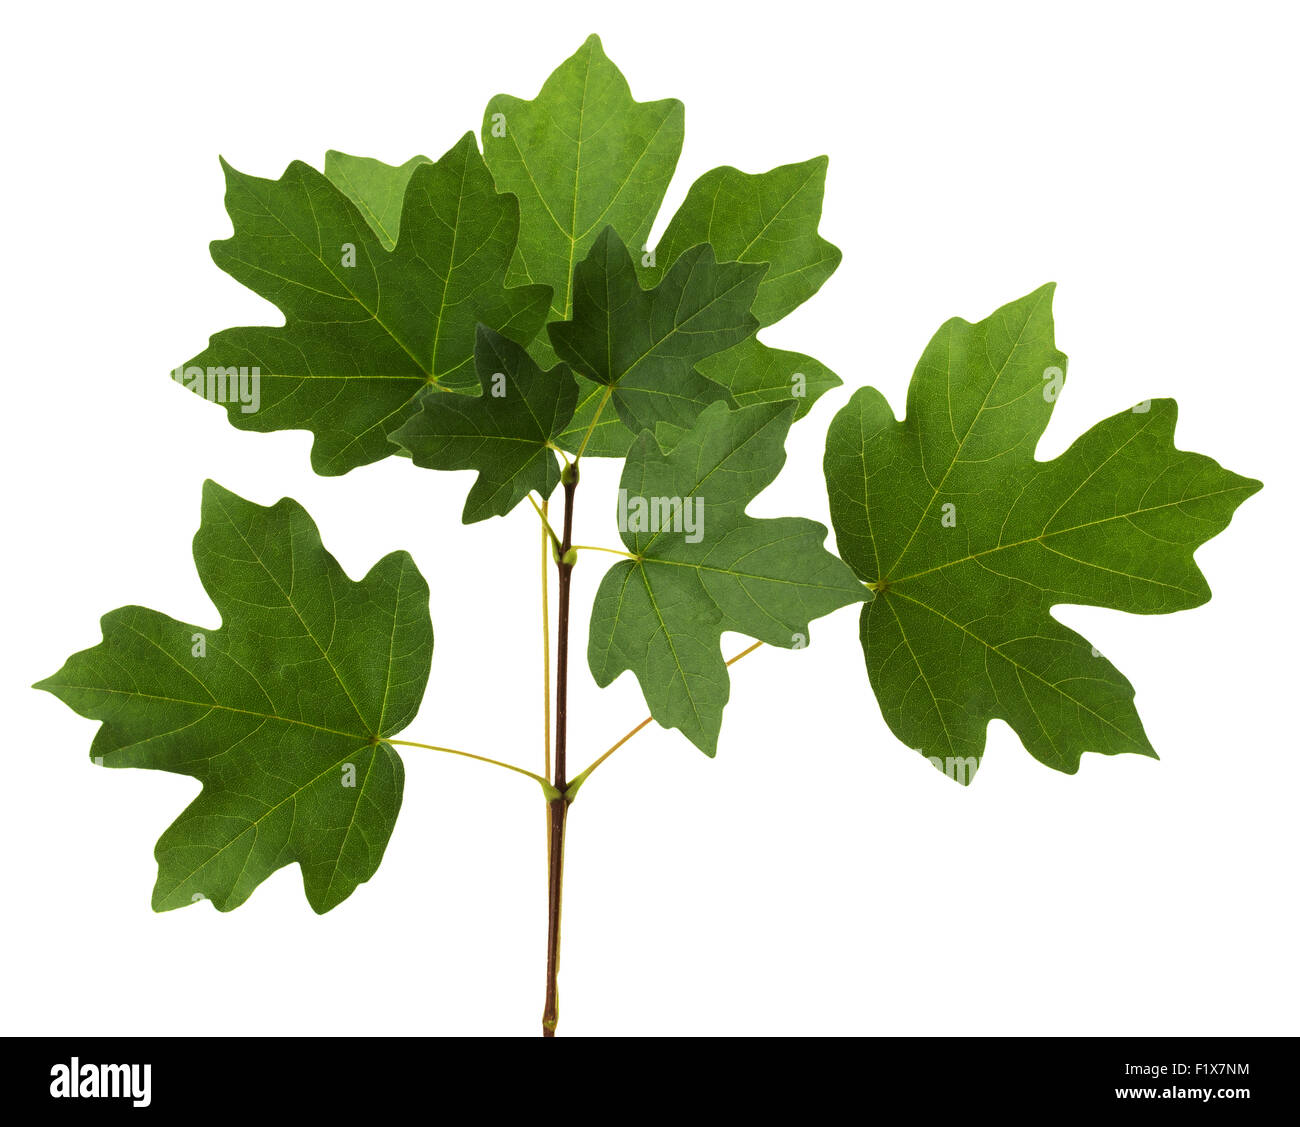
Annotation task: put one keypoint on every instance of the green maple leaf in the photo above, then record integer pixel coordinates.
(281, 713)
(767, 217)
(377, 189)
(375, 320)
(642, 345)
(755, 373)
(585, 155)
(662, 614)
(772, 218)
(507, 433)
(582, 156)
(969, 542)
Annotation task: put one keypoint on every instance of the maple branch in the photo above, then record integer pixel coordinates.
(558, 807)
(569, 479)
(546, 638)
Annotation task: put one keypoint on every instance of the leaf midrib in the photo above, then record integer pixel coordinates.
(213, 704)
(338, 676)
(1043, 536)
(961, 443)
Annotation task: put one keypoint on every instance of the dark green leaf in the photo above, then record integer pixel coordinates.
(281, 712)
(770, 217)
(750, 371)
(507, 432)
(643, 345)
(362, 343)
(969, 542)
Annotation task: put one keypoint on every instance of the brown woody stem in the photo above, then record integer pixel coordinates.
(558, 808)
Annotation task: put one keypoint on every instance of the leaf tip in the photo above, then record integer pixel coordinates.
(214, 492)
(468, 141)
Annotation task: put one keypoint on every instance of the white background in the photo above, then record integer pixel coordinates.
(817, 877)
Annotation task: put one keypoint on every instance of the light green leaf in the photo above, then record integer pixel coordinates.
(362, 342)
(643, 345)
(969, 542)
(703, 566)
(770, 217)
(754, 373)
(377, 189)
(582, 156)
(281, 712)
(507, 432)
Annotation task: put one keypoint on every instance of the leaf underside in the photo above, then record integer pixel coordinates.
(662, 614)
(281, 712)
(969, 542)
